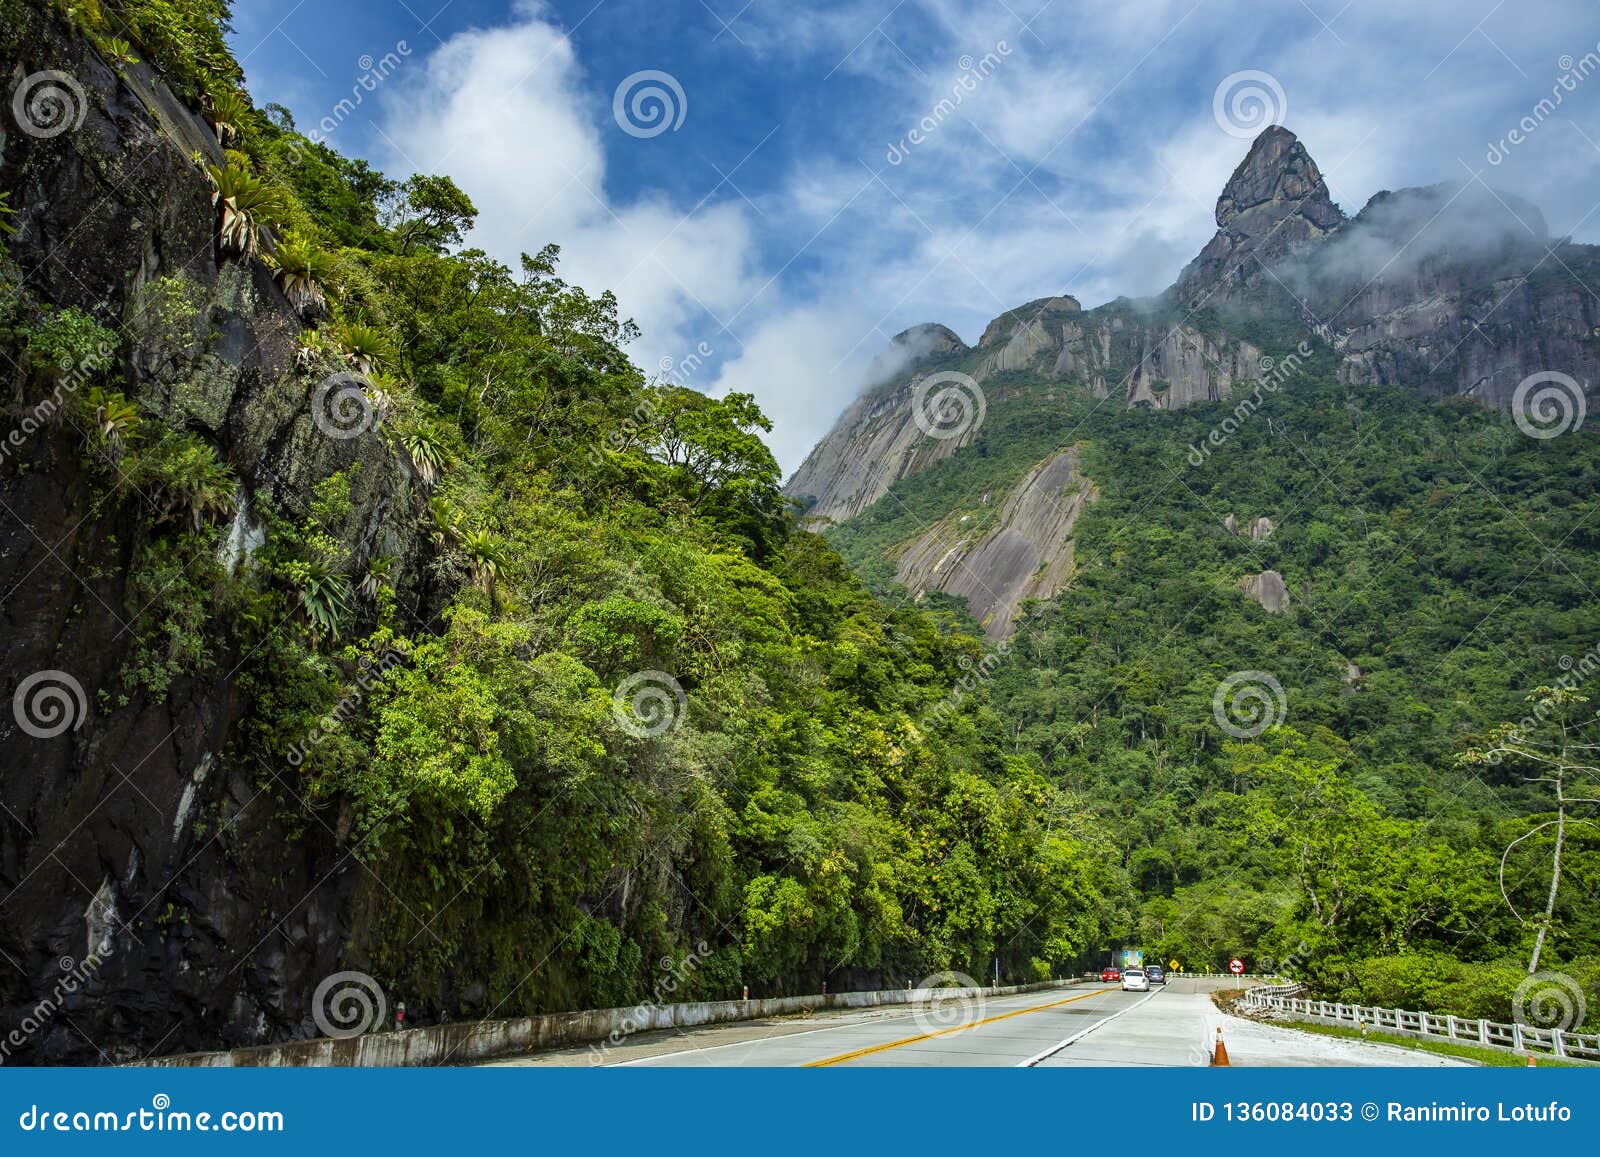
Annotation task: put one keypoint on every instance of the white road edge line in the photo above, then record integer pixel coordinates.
(1079, 1035)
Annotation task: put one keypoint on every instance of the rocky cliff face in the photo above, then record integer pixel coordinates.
(1455, 289)
(886, 441)
(1275, 206)
(137, 833)
(1024, 553)
(1448, 290)
(1151, 363)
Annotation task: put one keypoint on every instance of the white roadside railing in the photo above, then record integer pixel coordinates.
(1522, 1038)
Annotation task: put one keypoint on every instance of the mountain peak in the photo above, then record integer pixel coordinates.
(1275, 204)
(930, 339)
(1042, 308)
(1277, 169)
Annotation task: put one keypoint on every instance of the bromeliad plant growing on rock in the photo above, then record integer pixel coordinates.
(324, 595)
(425, 448)
(228, 113)
(366, 347)
(114, 423)
(248, 210)
(185, 481)
(486, 559)
(305, 273)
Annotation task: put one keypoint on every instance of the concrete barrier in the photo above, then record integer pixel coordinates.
(452, 1044)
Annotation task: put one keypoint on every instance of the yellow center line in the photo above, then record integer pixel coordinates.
(911, 1040)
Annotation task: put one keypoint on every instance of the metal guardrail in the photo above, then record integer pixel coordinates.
(1520, 1038)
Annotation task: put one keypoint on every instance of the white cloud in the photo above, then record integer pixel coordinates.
(804, 363)
(1087, 162)
(508, 113)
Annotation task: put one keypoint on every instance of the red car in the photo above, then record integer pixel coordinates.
(1110, 974)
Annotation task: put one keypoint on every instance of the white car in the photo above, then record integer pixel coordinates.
(1135, 980)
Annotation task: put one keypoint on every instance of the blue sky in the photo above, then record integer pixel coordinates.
(1080, 147)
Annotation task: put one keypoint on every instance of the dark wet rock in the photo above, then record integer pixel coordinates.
(1275, 205)
(143, 837)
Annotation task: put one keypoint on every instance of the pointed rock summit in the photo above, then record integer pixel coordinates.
(1275, 205)
(1397, 295)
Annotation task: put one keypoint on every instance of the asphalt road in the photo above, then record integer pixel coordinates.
(1080, 1025)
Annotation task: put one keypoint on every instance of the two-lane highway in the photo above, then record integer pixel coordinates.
(1071, 1026)
(1022, 1029)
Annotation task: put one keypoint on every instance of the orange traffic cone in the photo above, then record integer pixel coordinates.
(1532, 1064)
(1219, 1055)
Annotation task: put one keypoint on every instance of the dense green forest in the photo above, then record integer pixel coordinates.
(1441, 568)
(655, 712)
(652, 713)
